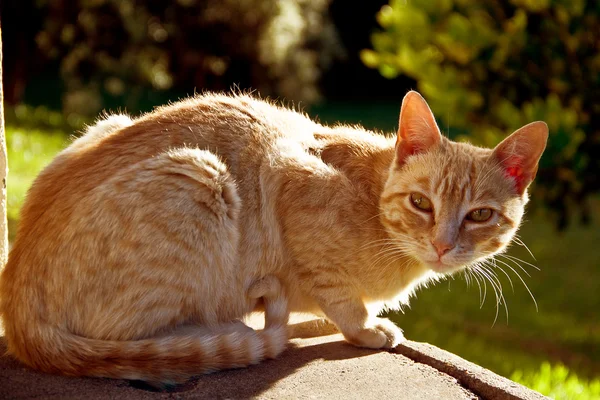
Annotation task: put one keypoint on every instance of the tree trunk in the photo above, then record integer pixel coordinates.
(3, 172)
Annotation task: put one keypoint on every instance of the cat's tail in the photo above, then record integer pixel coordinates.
(168, 358)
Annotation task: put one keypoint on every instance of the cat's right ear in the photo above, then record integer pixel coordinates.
(417, 130)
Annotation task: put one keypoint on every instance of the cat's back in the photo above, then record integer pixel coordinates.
(222, 121)
(240, 129)
(227, 125)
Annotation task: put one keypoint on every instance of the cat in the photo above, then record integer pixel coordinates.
(143, 244)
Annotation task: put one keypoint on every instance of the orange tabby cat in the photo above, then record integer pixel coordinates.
(144, 242)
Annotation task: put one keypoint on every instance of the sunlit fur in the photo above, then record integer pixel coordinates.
(142, 245)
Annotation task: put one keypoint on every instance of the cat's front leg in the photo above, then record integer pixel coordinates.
(344, 307)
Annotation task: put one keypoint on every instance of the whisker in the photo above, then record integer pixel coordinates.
(494, 279)
(467, 277)
(522, 243)
(389, 253)
(518, 259)
(380, 242)
(373, 217)
(493, 263)
(471, 273)
(397, 259)
(487, 275)
(499, 294)
(478, 286)
(524, 284)
(478, 273)
(502, 298)
(518, 265)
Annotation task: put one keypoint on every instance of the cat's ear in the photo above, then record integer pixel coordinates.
(417, 130)
(520, 153)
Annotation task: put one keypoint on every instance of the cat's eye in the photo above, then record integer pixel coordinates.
(421, 202)
(480, 215)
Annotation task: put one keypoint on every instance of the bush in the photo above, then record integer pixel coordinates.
(126, 50)
(488, 68)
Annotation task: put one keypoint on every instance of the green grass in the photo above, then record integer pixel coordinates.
(29, 150)
(555, 349)
(559, 383)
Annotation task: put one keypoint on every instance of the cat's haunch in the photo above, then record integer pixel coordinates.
(146, 241)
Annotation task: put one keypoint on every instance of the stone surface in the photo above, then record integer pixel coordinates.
(318, 364)
(480, 381)
(315, 368)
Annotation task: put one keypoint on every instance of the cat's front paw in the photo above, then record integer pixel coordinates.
(380, 333)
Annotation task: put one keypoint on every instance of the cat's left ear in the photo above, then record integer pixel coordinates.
(519, 154)
(417, 130)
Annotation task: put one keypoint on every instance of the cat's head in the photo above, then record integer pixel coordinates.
(450, 204)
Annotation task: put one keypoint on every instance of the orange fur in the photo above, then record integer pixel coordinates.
(142, 244)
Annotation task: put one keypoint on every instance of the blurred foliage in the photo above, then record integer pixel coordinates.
(126, 50)
(487, 68)
(29, 150)
(42, 119)
(558, 382)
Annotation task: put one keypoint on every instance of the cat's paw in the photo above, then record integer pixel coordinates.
(381, 333)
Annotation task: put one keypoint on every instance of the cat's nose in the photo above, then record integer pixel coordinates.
(442, 247)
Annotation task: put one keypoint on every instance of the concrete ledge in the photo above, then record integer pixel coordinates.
(322, 367)
(480, 381)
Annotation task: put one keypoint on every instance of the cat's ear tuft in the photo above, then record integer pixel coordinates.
(519, 154)
(417, 132)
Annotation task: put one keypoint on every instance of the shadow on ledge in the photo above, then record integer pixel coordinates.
(312, 367)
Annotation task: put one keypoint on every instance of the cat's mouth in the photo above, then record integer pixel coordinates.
(439, 266)
(442, 267)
